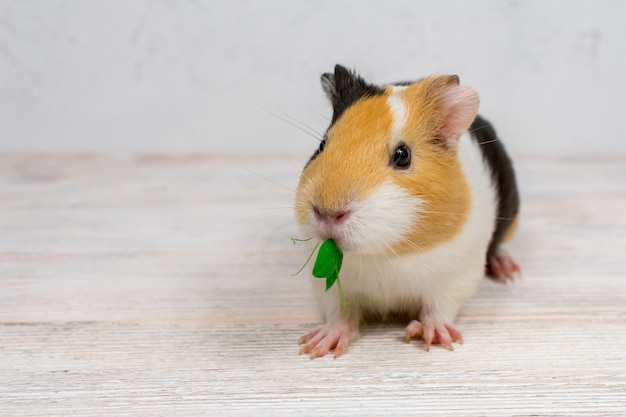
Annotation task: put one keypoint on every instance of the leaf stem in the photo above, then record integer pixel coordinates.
(294, 240)
(308, 259)
(344, 303)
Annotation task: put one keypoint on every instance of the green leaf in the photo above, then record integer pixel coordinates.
(331, 280)
(327, 265)
(329, 260)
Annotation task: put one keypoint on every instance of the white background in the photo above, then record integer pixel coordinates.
(158, 75)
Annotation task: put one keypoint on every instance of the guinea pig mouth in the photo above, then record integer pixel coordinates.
(339, 233)
(344, 236)
(347, 229)
(326, 231)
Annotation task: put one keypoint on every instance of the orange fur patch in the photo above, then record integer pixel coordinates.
(435, 174)
(354, 161)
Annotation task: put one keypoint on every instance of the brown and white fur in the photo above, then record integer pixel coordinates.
(416, 238)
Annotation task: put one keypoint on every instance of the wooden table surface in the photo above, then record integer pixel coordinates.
(160, 285)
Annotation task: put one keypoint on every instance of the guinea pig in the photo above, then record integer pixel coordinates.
(418, 192)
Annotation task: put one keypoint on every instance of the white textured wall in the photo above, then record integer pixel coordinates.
(200, 75)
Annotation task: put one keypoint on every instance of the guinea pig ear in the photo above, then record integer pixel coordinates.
(335, 85)
(328, 85)
(344, 87)
(460, 105)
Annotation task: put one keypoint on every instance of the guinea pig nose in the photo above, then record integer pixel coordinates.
(331, 216)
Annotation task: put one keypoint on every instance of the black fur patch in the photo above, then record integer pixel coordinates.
(404, 83)
(503, 177)
(344, 88)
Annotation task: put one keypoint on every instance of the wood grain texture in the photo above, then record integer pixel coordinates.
(160, 285)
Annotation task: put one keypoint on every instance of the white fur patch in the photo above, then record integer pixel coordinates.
(381, 220)
(398, 110)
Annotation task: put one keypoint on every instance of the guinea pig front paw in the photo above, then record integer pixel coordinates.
(432, 331)
(337, 336)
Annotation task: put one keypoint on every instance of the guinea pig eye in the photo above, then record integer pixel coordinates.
(401, 157)
(321, 147)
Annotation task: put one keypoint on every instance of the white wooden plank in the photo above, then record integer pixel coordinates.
(160, 285)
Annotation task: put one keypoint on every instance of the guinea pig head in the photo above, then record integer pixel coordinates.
(386, 178)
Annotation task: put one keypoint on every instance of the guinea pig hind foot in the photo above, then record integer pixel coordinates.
(501, 266)
(433, 332)
(335, 335)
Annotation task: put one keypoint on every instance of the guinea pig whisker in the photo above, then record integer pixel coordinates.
(267, 211)
(303, 127)
(487, 142)
(442, 212)
(459, 214)
(276, 229)
(394, 265)
(412, 245)
(360, 263)
(307, 178)
(317, 117)
(388, 249)
(380, 269)
(478, 128)
(291, 190)
(385, 249)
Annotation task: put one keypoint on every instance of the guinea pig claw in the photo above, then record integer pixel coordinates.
(335, 337)
(447, 342)
(433, 333)
(310, 335)
(502, 267)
